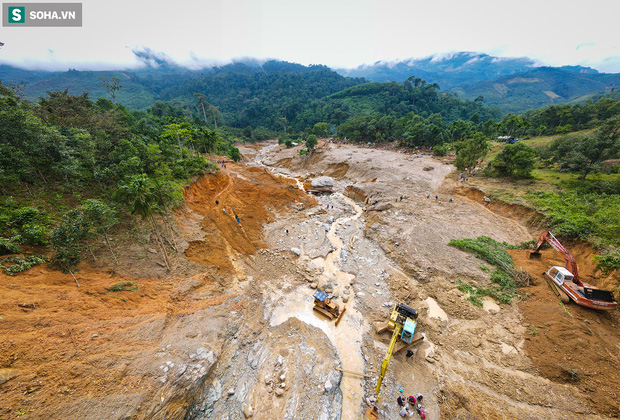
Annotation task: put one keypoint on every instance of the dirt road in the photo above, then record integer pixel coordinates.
(238, 338)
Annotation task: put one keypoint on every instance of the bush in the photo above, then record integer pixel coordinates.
(125, 286)
(7, 246)
(21, 264)
(515, 160)
(440, 150)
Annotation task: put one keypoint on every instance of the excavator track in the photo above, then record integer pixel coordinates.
(324, 312)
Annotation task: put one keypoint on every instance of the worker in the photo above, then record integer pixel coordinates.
(419, 397)
(411, 400)
(436, 197)
(428, 196)
(451, 200)
(224, 211)
(217, 202)
(400, 401)
(238, 221)
(286, 231)
(404, 411)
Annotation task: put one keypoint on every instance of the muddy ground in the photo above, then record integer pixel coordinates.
(230, 331)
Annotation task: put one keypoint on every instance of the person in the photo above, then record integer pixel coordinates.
(404, 411)
(224, 211)
(238, 221)
(409, 354)
(436, 197)
(411, 400)
(217, 202)
(451, 200)
(419, 397)
(428, 196)
(401, 401)
(286, 231)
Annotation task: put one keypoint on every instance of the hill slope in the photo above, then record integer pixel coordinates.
(540, 87)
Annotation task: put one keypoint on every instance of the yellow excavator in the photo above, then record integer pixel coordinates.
(403, 324)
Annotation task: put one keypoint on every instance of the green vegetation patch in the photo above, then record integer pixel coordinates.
(124, 286)
(581, 214)
(19, 264)
(505, 277)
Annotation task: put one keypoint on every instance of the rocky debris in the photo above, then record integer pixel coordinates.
(296, 251)
(355, 193)
(379, 207)
(322, 181)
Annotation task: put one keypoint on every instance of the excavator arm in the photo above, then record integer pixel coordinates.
(386, 360)
(571, 264)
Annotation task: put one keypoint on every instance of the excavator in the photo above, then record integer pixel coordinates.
(403, 323)
(565, 280)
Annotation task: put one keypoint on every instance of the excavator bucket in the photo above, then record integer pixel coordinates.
(534, 255)
(372, 414)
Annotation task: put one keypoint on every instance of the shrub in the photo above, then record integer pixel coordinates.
(440, 150)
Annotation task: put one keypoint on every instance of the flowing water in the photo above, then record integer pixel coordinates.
(347, 337)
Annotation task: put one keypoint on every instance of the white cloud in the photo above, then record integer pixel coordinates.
(338, 33)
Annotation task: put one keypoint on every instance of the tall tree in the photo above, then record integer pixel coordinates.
(112, 86)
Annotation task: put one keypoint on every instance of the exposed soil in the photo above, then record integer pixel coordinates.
(230, 332)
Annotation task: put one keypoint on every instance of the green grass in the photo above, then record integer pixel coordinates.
(125, 286)
(19, 264)
(504, 276)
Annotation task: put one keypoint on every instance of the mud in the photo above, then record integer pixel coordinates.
(230, 332)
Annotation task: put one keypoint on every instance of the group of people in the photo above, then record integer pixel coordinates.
(222, 163)
(437, 198)
(217, 203)
(408, 406)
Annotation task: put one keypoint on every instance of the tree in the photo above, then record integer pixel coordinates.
(68, 240)
(586, 153)
(112, 86)
(515, 160)
(311, 142)
(102, 218)
(321, 129)
(471, 151)
(139, 194)
(202, 102)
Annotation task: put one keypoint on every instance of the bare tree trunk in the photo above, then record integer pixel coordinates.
(107, 241)
(42, 177)
(159, 241)
(204, 112)
(71, 272)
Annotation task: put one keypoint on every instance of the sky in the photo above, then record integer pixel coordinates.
(337, 33)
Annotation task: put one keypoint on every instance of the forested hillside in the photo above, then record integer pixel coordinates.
(540, 87)
(94, 162)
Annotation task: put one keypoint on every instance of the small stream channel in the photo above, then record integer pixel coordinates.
(347, 337)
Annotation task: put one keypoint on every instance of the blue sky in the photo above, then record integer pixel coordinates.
(336, 33)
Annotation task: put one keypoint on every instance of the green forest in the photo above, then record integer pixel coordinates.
(72, 168)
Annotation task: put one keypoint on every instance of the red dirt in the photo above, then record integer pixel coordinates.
(50, 339)
(251, 193)
(565, 339)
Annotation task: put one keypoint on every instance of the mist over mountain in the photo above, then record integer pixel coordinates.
(510, 84)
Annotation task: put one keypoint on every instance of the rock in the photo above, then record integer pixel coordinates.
(313, 285)
(345, 299)
(248, 411)
(328, 290)
(296, 251)
(283, 385)
(152, 251)
(328, 385)
(322, 181)
(283, 377)
(231, 392)
(279, 392)
(430, 359)
(7, 374)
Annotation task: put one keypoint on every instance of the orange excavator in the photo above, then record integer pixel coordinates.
(565, 280)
